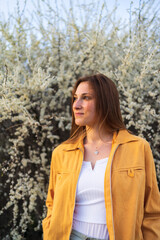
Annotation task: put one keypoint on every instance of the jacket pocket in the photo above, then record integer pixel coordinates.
(130, 172)
(63, 179)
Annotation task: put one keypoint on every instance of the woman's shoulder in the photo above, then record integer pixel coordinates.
(59, 148)
(66, 146)
(127, 136)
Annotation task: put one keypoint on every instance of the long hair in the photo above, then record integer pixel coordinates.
(107, 105)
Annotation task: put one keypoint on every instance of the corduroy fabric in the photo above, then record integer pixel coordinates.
(132, 198)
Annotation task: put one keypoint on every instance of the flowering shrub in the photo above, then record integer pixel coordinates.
(37, 73)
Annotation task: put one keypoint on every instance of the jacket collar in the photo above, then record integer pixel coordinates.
(123, 136)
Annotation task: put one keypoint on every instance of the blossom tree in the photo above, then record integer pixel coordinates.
(38, 67)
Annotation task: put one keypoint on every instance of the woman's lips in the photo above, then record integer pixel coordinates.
(78, 114)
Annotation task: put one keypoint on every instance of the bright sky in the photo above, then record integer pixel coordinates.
(9, 6)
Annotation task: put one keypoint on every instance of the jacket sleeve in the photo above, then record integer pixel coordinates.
(49, 201)
(151, 221)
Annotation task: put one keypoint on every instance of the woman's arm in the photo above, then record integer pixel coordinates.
(151, 221)
(49, 202)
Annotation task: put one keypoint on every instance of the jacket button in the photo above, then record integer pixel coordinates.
(130, 172)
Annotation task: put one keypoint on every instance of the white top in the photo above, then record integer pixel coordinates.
(90, 213)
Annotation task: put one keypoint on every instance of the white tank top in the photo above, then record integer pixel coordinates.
(90, 213)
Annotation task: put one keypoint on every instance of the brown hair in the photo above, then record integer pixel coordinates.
(107, 105)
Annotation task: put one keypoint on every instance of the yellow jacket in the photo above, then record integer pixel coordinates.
(132, 198)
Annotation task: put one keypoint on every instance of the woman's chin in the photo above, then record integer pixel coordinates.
(79, 123)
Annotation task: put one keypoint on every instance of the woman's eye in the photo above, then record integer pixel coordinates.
(86, 97)
(82, 98)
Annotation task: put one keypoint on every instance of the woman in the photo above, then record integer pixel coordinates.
(102, 179)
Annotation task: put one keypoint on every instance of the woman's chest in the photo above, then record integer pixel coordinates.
(94, 154)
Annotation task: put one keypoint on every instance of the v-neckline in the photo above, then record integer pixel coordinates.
(98, 162)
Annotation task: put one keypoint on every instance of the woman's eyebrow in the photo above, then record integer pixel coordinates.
(84, 94)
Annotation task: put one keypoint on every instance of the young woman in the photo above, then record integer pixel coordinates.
(102, 180)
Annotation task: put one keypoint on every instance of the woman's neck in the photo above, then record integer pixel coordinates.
(94, 135)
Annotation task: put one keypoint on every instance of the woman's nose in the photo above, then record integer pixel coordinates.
(77, 104)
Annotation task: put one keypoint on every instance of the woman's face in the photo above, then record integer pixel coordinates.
(84, 106)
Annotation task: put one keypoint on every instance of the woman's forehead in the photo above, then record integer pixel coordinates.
(84, 87)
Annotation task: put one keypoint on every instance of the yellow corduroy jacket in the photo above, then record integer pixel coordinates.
(132, 198)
